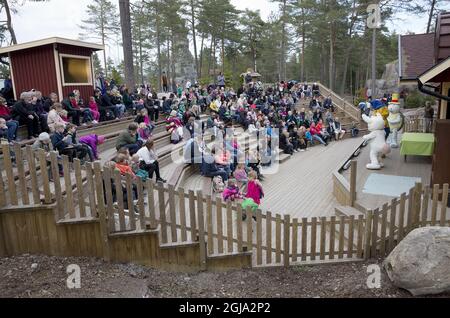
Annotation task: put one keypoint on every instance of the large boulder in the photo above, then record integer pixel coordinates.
(421, 262)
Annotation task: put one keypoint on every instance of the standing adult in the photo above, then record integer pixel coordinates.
(221, 80)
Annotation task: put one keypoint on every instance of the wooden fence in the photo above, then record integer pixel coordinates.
(124, 206)
(418, 124)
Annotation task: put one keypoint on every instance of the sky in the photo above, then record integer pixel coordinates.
(36, 21)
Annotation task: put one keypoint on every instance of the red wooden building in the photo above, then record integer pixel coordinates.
(52, 65)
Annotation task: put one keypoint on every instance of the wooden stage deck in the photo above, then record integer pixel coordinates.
(303, 185)
(395, 164)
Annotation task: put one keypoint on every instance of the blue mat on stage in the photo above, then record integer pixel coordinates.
(392, 186)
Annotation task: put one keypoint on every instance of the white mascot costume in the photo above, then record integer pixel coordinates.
(395, 120)
(377, 138)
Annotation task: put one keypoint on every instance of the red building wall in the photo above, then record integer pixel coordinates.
(86, 91)
(34, 68)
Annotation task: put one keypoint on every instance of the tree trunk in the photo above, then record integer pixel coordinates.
(169, 76)
(283, 43)
(158, 48)
(433, 3)
(141, 59)
(174, 72)
(214, 60)
(200, 73)
(303, 46)
(125, 22)
(194, 37)
(9, 22)
(223, 55)
(104, 56)
(331, 57)
(210, 55)
(346, 62)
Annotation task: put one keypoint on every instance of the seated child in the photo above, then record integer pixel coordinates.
(240, 175)
(354, 130)
(136, 166)
(232, 192)
(94, 110)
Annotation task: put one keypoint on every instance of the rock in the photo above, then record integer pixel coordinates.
(421, 262)
(34, 266)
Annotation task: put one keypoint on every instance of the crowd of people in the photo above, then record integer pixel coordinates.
(270, 112)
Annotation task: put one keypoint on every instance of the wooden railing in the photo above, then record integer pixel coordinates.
(89, 192)
(341, 103)
(419, 124)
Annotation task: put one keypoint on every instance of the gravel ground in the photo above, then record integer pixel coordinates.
(45, 277)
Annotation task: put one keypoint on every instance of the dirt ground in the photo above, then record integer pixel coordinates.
(45, 277)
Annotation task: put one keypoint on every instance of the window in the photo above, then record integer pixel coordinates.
(76, 70)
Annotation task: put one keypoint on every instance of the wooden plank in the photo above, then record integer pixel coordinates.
(44, 176)
(192, 216)
(417, 205)
(91, 189)
(249, 213)
(8, 167)
(434, 206)
(119, 196)
(392, 221)
(332, 236)
(230, 243)
(424, 209)
(201, 230)
(323, 237)
(151, 204)
(368, 234)
(341, 237)
(384, 213)
(353, 174)
(182, 207)
(278, 239)
(259, 255)
(80, 190)
(3, 201)
(376, 218)
(359, 243)
(304, 239)
(269, 237)
(173, 216)
(209, 224)
(109, 199)
(61, 210)
(401, 217)
(162, 213)
(444, 204)
(313, 239)
(68, 184)
(239, 228)
(294, 240)
(287, 239)
(101, 210)
(410, 213)
(130, 201)
(141, 203)
(351, 236)
(33, 175)
(21, 174)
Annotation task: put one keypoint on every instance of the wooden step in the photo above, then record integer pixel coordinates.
(347, 211)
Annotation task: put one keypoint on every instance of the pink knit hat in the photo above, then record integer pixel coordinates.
(101, 140)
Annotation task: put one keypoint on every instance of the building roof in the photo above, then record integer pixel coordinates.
(54, 40)
(436, 74)
(416, 55)
(442, 47)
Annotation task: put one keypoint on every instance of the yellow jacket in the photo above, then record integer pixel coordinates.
(384, 111)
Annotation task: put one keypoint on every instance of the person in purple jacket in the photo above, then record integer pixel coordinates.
(92, 141)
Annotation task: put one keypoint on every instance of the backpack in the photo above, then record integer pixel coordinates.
(218, 185)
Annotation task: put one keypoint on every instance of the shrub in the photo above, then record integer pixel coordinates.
(416, 99)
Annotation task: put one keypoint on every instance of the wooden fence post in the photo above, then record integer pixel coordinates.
(201, 231)
(353, 175)
(101, 209)
(367, 234)
(444, 203)
(9, 174)
(287, 239)
(417, 205)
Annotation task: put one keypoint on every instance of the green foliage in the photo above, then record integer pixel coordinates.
(416, 99)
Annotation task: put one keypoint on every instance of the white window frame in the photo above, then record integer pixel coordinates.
(88, 58)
